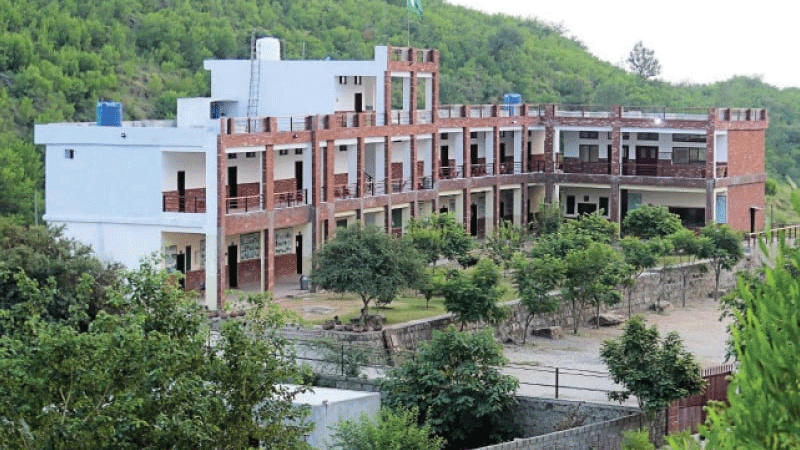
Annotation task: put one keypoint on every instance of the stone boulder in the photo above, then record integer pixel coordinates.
(554, 332)
(606, 320)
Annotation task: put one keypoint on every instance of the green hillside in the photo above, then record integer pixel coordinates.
(57, 58)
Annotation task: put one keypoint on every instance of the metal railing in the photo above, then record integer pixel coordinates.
(536, 165)
(509, 167)
(291, 199)
(244, 204)
(650, 112)
(584, 111)
(481, 170)
(187, 203)
(401, 184)
(451, 172)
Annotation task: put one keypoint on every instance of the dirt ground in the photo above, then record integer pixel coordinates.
(578, 357)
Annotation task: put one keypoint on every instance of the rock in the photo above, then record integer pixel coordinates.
(554, 332)
(328, 326)
(660, 307)
(606, 320)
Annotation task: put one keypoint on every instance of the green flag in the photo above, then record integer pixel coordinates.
(414, 6)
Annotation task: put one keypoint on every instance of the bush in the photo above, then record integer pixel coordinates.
(390, 431)
(636, 440)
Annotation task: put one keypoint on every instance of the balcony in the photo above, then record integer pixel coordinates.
(451, 172)
(190, 202)
(244, 204)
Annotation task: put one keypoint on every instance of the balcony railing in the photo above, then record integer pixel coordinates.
(400, 117)
(401, 184)
(646, 112)
(344, 191)
(292, 123)
(536, 165)
(291, 199)
(509, 167)
(584, 111)
(187, 203)
(451, 172)
(373, 188)
(244, 204)
(481, 170)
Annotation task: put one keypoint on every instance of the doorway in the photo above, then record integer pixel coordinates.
(233, 269)
(473, 219)
(233, 187)
(298, 250)
(298, 176)
(646, 160)
(358, 102)
(180, 266)
(181, 191)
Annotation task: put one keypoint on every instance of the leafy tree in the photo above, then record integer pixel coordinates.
(548, 219)
(763, 407)
(367, 262)
(439, 236)
(535, 280)
(643, 62)
(77, 279)
(656, 371)
(594, 226)
(431, 285)
(649, 221)
(723, 247)
(138, 377)
(456, 384)
(473, 296)
(591, 278)
(640, 255)
(390, 431)
(506, 241)
(687, 246)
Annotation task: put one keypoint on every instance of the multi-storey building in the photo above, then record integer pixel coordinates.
(244, 185)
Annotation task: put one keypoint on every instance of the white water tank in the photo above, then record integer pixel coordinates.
(268, 49)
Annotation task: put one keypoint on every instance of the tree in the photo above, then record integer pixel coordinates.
(639, 255)
(390, 431)
(144, 375)
(439, 236)
(473, 297)
(548, 219)
(763, 407)
(505, 242)
(535, 280)
(723, 247)
(656, 371)
(650, 221)
(687, 246)
(591, 278)
(368, 263)
(643, 62)
(456, 384)
(594, 226)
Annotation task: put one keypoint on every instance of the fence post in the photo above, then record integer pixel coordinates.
(342, 359)
(556, 383)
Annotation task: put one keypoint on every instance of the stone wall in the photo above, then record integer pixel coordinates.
(539, 416)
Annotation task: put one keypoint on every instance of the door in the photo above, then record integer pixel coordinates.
(646, 160)
(233, 269)
(358, 101)
(233, 187)
(181, 191)
(298, 250)
(298, 176)
(473, 219)
(444, 161)
(752, 219)
(180, 266)
(188, 259)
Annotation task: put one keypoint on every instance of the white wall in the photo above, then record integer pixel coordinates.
(123, 243)
(331, 406)
(192, 163)
(284, 164)
(248, 170)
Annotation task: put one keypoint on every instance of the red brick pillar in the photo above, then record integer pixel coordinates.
(467, 154)
(269, 178)
(316, 169)
(387, 96)
(435, 96)
(387, 164)
(524, 207)
(525, 155)
(413, 158)
(269, 255)
(330, 162)
(360, 166)
(616, 143)
(549, 141)
(496, 149)
(435, 163)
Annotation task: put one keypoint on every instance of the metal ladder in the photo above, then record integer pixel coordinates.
(255, 75)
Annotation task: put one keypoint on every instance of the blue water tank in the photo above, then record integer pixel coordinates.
(510, 101)
(109, 114)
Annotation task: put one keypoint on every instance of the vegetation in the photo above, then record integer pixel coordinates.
(639, 255)
(390, 431)
(643, 62)
(687, 246)
(137, 372)
(656, 371)
(367, 262)
(535, 280)
(456, 384)
(439, 236)
(473, 296)
(650, 221)
(723, 247)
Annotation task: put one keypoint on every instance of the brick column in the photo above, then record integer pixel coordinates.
(222, 174)
(269, 178)
(316, 168)
(614, 157)
(467, 155)
(360, 166)
(330, 162)
(710, 143)
(435, 162)
(524, 152)
(467, 209)
(709, 200)
(496, 149)
(549, 140)
(269, 253)
(387, 164)
(387, 96)
(413, 158)
(613, 201)
(496, 206)
(435, 96)
(524, 210)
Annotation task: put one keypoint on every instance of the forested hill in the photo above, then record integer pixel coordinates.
(58, 57)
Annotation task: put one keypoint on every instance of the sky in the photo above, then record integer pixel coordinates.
(699, 41)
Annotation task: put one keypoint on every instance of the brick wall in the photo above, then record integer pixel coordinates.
(249, 271)
(194, 279)
(745, 152)
(740, 199)
(289, 185)
(285, 265)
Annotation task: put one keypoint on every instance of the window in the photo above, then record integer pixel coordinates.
(682, 137)
(443, 136)
(608, 136)
(589, 153)
(69, 153)
(603, 205)
(473, 135)
(688, 155)
(626, 136)
(588, 134)
(283, 152)
(570, 204)
(298, 151)
(342, 80)
(357, 80)
(231, 155)
(647, 136)
(249, 154)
